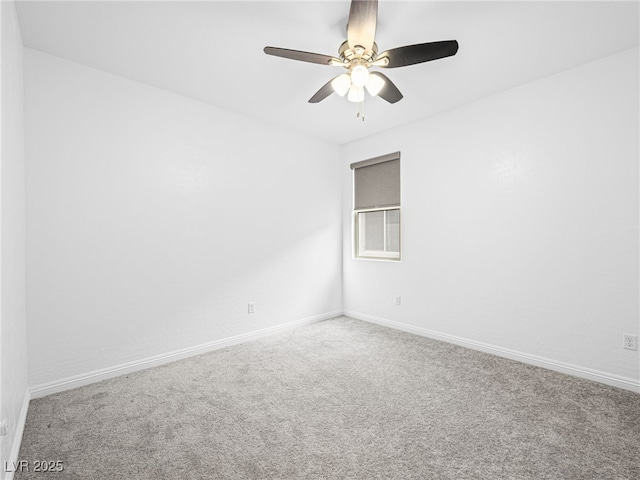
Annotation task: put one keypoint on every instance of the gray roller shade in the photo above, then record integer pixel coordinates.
(376, 182)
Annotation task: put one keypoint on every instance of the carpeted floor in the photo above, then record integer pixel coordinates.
(340, 399)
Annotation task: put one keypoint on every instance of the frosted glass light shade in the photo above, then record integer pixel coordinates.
(356, 94)
(359, 75)
(341, 84)
(375, 84)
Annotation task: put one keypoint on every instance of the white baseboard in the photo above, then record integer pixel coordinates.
(562, 367)
(110, 372)
(17, 440)
(75, 381)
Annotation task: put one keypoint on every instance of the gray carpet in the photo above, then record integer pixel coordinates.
(340, 399)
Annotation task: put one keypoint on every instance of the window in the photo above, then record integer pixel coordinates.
(376, 212)
(378, 234)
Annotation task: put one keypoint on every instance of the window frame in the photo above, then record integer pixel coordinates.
(376, 254)
(376, 187)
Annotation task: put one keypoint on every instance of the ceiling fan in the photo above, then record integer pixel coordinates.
(359, 53)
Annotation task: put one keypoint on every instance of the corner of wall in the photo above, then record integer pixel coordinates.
(14, 397)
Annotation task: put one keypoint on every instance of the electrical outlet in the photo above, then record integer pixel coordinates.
(398, 300)
(630, 342)
(251, 308)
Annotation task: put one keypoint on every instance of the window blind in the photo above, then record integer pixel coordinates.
(376, 182)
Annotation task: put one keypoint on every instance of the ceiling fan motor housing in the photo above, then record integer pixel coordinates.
(347, 54)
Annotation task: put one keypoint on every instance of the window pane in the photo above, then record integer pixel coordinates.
(393, 231)
(373, 230)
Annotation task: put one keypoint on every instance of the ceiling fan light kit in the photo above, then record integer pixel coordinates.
(359, 53)
(375, 84)
(359, 75)
(341, 84)
(356, 93)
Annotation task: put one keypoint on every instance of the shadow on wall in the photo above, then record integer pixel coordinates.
(160, 303)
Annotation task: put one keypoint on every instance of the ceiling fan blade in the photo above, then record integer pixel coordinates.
(324, 92)
(422, 52)
(301, 56)
(361, 29)
(389, 91)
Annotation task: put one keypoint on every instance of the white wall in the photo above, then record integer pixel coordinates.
(520, 224)
(154, 219)
(13, 328)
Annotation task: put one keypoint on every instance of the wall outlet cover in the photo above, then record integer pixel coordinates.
(629, 341)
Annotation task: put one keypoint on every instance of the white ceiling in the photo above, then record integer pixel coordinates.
(212, 51)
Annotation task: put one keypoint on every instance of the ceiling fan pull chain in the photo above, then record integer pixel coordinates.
(360, 113)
